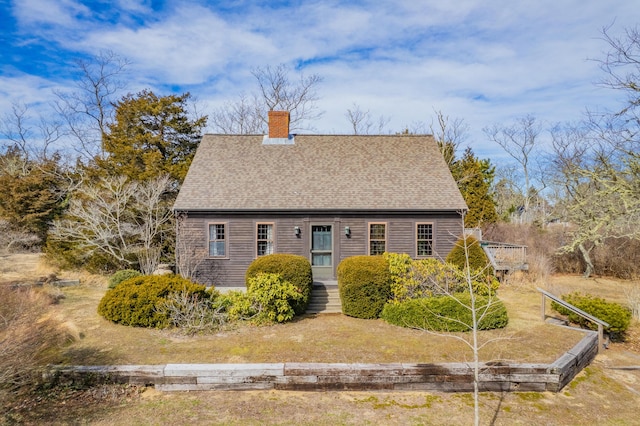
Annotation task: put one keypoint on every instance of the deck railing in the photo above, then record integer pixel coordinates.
(506, 257)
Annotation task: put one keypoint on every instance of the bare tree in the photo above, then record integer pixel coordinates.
(18, 129)
(449, 133)
(151, 217)
(596, 165)
(88, 110)
(598, 196)
(243, 116)
(519, 141)
(119, 219)
(276, 91)
(621, 65)
(363, 123)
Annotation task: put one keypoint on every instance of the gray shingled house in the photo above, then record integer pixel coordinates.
(325, 197)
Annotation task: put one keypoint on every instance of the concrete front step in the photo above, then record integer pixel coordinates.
(325, 299)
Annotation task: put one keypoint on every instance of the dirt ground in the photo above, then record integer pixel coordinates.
(607, 392)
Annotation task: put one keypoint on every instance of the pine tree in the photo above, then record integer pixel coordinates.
(31, 193)
(474, 178)
(151, 136)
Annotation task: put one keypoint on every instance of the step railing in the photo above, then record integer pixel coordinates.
(601, 324)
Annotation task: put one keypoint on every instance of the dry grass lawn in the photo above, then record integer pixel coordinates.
(599, 395)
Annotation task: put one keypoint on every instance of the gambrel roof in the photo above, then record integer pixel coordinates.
(319, 173)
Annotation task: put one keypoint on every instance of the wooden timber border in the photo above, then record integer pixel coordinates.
(449, 377)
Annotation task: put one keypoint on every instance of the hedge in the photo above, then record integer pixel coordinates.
(618, 317)
(414, 279)
(447, 313)
(292, 268)
(138, 301)
(364, 283)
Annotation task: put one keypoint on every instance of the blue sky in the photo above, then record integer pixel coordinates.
(485, 62)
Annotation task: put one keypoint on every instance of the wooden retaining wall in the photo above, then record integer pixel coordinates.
(450, 377)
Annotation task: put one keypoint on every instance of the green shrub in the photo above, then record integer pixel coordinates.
(268, 299)
(122, 275)
(414, 279)
(239, 305)
(447, 313)
(364, 283)
(292, 268)
(138, 301)
(615, 314)
(274, 296)
(478, 260)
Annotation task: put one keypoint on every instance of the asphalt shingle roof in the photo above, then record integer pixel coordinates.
(319, 172)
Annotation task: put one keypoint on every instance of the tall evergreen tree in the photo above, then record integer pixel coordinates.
(474, 178)
(151, 136)
(31, 192)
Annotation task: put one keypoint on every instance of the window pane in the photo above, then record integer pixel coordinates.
(424, 248)
(216, 232)
(265, 247)
(377, 231)
(425, 239)
(377, 247)
(321, 239)
(217, 240)
(264, 239)
(265, 231)
(321, 259)
(216, 248)
(424, 231)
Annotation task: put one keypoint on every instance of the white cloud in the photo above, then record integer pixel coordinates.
(187, 48)
(486, 63)
(60, 13)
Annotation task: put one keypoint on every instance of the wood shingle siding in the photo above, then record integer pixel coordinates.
(229, 272)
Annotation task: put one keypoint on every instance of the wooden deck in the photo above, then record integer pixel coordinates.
(505, 257)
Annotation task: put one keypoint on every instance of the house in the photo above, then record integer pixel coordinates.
(325, 197)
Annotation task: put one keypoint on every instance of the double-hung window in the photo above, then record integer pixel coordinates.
(218, 240)
(264, 239)
(377, 238)
(424, 239)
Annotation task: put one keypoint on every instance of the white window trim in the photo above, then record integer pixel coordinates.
(386, 233)
(226, 240)
(273, 237)
(433, 240)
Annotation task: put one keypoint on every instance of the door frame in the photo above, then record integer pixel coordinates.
(323, 272)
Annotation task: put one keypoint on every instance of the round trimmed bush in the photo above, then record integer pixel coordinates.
(478, 260)
(446, 313)
(618, 317)
(138, 301)
(292, 268)
(122, 275)
(364, 283)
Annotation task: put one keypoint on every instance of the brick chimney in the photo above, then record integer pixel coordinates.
(279, 124)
